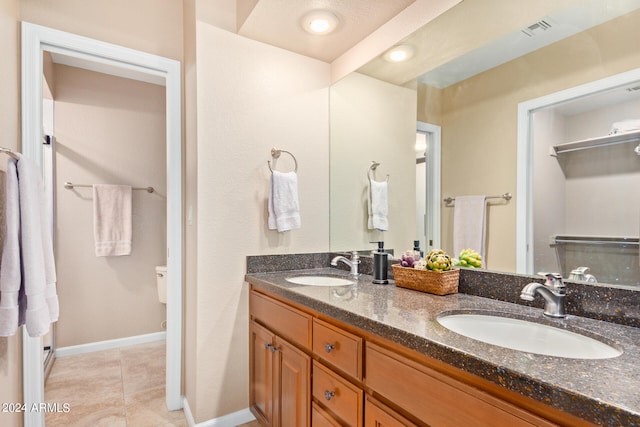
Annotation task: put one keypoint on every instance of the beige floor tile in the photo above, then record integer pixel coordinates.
(114, 388)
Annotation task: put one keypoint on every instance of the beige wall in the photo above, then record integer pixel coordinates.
(479, 120)
(372, 120)
(251, 97)
(10, 347)
(108, 130)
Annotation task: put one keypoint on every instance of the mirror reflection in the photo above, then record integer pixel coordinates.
(467, 80)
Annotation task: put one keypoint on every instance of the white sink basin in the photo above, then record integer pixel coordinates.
(527, 336)
(319, 281)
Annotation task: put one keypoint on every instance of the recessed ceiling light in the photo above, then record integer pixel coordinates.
(319, 22)
(399, 53)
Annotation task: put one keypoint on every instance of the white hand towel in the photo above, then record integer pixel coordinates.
(378, 205)
(36, 248)
(112, 219)
(10, 274)
(284, 209)
(469, 224)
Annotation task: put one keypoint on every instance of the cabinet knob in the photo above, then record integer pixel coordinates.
(329, 394)
(271, 347)
(328, 347)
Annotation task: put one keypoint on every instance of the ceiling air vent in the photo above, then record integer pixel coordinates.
(538, 27)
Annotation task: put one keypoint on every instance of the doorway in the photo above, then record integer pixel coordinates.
(116, 60)
(589, 93)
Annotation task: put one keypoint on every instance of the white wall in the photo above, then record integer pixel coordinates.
(250, 97)
(372, 121)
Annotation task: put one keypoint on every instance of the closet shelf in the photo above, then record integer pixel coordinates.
(601, 141)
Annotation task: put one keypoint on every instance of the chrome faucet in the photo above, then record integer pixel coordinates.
(553, 291)
(580, 273)
(352, 263)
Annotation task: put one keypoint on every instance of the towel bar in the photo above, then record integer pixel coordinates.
(70, 186)
(506, 196)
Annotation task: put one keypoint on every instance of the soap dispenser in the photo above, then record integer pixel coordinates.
(380, 260)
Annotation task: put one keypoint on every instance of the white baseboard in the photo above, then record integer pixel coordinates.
(230, 420)
(109, 344)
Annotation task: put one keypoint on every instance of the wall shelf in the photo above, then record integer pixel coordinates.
(601, 141)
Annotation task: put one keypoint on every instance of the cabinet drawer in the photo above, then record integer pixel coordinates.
(338, 395)
(436, 399)
(378, 415)
(338, 347)
(280, 318)
(321, 418)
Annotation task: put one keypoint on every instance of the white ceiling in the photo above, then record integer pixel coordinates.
(277, 22)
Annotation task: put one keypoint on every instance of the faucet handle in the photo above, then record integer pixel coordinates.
(554, 280)
(355, 258)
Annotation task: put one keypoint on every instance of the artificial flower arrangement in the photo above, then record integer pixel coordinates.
(434, 273)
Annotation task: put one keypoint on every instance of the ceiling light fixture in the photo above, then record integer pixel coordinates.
(319, 22)
(399, 53)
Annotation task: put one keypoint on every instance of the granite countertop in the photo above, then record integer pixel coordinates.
(604, 391)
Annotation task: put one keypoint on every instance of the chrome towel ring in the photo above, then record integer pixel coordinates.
(372, 168)
(275, 153)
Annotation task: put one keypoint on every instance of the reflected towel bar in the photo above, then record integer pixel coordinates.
(70, 186)
(505, 196)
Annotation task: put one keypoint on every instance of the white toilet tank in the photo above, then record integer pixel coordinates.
(161, 280)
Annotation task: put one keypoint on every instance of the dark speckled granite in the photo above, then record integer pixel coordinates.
(605, 391)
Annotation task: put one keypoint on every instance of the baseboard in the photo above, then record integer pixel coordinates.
(109, 344)
(230, 420)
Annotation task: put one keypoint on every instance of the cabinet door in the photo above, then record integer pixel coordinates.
(320, 418)
(293, 368)
(261, 380)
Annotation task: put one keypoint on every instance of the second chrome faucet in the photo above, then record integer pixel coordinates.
(553, 291)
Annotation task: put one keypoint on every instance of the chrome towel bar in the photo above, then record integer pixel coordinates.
(70, 186)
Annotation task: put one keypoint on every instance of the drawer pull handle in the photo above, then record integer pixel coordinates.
(328, 347)
(329, 394)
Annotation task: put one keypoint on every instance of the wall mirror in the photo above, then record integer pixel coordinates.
(471, 69)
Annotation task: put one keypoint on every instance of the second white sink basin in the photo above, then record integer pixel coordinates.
(527, 336)
(319, 281)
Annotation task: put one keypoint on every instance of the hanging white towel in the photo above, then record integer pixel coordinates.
(283, 205)
(112, 219)
(378, 205)
(10, 274)
(469, 224)
(27, 276)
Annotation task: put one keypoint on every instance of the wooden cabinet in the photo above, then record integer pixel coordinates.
(309, 371)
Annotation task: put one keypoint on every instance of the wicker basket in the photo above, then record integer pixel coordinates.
(433, 282)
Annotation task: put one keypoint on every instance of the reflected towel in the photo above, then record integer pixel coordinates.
(112, 219)
(469, 224)
(283, 205)
(378, 205)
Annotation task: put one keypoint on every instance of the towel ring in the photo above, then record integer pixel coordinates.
(372, 168)
(275, 153)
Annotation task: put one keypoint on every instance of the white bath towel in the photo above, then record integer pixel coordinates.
(112, 219)
(378, 205)
(10, 274)
(38, 267)
(283, 205)
(469, 224)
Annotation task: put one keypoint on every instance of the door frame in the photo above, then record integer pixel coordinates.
(125, 62)
(526, 109)
(432, 163)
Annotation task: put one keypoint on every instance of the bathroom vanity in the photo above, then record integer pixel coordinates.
(371, 355)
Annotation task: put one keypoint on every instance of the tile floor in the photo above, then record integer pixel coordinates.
(114, 388)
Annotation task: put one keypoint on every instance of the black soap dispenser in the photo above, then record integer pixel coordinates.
(380, 260)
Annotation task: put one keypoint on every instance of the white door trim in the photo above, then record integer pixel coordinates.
(133, 64)
(432, 225)
(524, 209)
